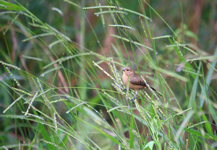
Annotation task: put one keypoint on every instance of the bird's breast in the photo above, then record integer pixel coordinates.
(125, 79)
(131, 86)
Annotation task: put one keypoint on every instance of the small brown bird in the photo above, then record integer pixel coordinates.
(135, 82)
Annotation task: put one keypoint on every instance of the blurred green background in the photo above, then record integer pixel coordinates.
(39, 36)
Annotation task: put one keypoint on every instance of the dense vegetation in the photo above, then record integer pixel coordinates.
(61, 74)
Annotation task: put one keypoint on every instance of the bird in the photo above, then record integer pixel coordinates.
(135, 82)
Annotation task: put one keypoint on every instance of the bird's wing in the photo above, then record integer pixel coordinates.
(137, 81)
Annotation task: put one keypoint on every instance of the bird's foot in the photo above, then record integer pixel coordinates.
(124, 90)
(133, 99)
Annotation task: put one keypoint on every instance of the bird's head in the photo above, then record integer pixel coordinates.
(128, 71)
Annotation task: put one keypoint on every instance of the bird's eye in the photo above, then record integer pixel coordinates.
(127, 69)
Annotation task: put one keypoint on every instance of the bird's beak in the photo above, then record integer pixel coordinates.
(123, 69)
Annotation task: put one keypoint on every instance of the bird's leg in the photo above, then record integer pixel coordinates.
(135, 96)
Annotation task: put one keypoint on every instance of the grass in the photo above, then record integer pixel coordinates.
(61, 86)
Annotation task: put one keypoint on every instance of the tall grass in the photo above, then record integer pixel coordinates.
(64, 91)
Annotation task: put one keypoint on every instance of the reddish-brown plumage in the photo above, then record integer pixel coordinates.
(135, 82)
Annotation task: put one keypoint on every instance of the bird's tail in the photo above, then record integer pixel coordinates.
(153, 89)
(156, 91)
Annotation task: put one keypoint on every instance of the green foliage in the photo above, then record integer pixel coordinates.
(61, 81)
